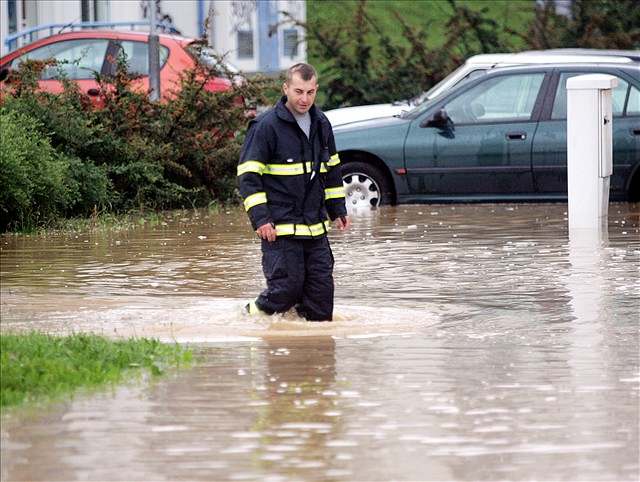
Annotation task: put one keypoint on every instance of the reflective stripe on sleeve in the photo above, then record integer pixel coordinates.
(334, 192)
(334, 160)
(251, 166)
(255, 199)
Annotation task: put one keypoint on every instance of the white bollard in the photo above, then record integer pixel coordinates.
(589, 148)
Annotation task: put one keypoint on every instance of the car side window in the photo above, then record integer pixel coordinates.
(500, 98)
(633, 104)
(137, 55)
(77, 59)
(559, 111)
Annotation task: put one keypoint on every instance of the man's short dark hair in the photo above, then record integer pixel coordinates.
(305, 71)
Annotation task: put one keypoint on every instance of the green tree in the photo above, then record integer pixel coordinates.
(601, 24)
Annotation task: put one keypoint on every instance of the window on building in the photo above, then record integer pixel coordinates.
(85, 10)
(12, 10)
(290, 42)
(245, 44)
(93, 10)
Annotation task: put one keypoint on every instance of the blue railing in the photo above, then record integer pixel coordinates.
(23, 37)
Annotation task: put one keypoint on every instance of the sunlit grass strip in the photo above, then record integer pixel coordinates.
(36, 366)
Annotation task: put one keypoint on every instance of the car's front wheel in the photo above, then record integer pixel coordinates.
(364, 185)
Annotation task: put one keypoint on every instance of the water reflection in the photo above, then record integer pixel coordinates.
(300, 418)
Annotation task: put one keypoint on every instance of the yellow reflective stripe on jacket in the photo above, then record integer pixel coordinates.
(302, 229)
(334, 160)
(292, 169)
(288, 169)
(255, 199)
(285, 229)
(251, 166)
(334, 192)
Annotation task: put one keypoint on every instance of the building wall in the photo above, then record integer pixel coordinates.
(184, 14)
(4, 24)
(229, 21)
(126, 10)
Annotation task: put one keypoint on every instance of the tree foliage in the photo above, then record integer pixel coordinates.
(602, 24)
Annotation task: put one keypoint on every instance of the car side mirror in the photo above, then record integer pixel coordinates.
(439, 119)
(4, 74)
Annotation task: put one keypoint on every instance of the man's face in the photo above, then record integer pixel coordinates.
(301, 94)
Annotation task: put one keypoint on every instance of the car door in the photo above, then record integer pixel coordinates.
(78, 59)
(485, 150)
(550, 142)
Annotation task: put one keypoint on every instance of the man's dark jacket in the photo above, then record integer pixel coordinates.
(287, 179)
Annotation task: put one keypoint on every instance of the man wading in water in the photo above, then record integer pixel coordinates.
(290, 179)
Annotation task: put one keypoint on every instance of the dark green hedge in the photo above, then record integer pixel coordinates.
(64, 157)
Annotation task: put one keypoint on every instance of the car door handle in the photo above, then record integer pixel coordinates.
(516, 136)
(635, 131)
(93, 92)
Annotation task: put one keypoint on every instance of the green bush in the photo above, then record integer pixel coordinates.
(90, 188)
(32, 174)
(132, 153)
(40, 183)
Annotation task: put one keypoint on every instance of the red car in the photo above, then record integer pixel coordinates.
(83, 53)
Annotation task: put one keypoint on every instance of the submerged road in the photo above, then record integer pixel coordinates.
(472, 342)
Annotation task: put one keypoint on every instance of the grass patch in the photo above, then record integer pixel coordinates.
(39, 367)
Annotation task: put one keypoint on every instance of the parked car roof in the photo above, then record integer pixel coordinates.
(631, 54)
(538, 57)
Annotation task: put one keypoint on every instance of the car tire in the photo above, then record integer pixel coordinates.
(365, 185)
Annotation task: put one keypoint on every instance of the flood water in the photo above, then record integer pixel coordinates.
(471, 342)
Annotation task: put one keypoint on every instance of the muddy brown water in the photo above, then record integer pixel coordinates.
(471, 342)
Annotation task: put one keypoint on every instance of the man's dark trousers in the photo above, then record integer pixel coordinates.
(299, 273)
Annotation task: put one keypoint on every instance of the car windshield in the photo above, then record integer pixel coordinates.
(424, 96)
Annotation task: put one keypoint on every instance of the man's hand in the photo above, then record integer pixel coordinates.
(343, 223)
(267, 232)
